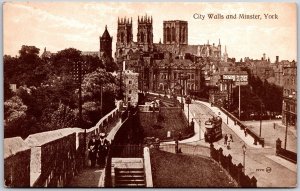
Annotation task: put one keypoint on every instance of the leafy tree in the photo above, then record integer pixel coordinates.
(92, 85)
(14, 114)
(64, 117)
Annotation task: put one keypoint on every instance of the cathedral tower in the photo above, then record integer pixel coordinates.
(176, 32)
(145, 33)
(105, 44)
(124, 35)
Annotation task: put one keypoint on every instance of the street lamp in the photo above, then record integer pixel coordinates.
(261, 106)
(78, 74)
(286, 128)
(188, 101)
(244, 153)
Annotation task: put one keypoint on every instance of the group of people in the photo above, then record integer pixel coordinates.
(98, 149)
(227, 140)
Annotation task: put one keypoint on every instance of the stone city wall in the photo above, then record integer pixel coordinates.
(49, 159)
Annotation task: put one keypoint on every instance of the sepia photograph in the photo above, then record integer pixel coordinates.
(150, 94)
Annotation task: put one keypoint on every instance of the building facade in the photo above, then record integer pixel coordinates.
(130, 79)
(289, 105)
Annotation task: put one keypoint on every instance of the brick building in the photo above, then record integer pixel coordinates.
(289, 105)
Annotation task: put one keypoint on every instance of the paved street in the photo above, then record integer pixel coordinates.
(283, 173)
(271, 134)
(257, 159)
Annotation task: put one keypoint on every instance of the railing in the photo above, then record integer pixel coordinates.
(256, 137)
(235, 171)
(286, 154)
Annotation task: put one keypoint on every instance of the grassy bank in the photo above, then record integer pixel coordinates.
(177, 170)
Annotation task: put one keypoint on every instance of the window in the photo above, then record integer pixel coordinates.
(129, 98)
(129, 91)
(175, 75)
(193, 76)
(129, 82)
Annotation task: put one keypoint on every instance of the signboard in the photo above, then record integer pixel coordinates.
(235, 77)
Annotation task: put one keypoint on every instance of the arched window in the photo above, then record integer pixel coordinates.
(168, 34)
(122, 37)
(183, 34)
(128, 35)
(173, 34)
(142, 37)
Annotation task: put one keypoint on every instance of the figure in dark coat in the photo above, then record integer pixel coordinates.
(102, 150)
(92, 148)
(225, 139)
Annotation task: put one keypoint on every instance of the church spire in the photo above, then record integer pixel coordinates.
(219, 42)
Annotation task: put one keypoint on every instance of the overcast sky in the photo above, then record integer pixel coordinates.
(61, 25)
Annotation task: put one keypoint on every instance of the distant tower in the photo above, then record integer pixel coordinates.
(176, 32)
(264, 56)
(124, 35)
(225, 55)
(219, 49)
(145, 32)
(105, 44)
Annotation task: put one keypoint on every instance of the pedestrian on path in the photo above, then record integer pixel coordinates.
(225, 139)
(231, 137)
(245, 131)
(102, 150)
(228, 144)
(92, 148)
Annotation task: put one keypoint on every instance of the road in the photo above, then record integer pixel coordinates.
(271, 134)
(256, 160)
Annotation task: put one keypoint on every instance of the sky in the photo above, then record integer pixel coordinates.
(60, 25)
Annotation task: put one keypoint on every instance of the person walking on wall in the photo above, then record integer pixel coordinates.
(92, 148)
(102, 150)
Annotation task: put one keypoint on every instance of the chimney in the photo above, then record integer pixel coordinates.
(277, 59)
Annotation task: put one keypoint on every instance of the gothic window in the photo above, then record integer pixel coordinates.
(122, 37)
(168, 34)
(128, 35)
(142, 37)
(173, 34)
(183, 34)
(180, 34)
(148, 37)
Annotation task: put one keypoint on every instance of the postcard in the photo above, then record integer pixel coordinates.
(142, 94)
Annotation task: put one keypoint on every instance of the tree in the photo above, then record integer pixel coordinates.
(14, 114)
(63, 62)
(92, 85)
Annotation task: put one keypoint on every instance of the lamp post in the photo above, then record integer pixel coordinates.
(244, 153)
(188, 102)
(286, 128)
(260, 123)
(78, 78)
